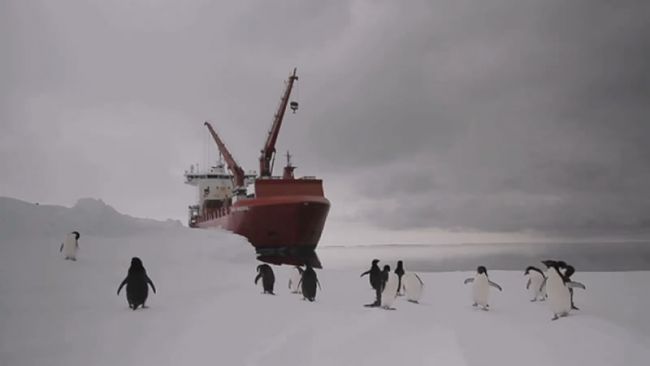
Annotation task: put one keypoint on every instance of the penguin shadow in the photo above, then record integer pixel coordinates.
(481, 309)
(415, 303)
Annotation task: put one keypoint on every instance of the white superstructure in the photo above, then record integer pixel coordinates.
(214, 187)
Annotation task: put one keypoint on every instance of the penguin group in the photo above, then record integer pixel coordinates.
(558, 287)
(553, 285)
(137, 281)
(388, 286)
(302, 281)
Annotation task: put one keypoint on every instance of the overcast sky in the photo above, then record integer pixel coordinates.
(428, 120)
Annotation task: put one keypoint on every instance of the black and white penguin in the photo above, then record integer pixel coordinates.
(413, 287)
(535, 279)
(557, 288)
(265, 272)
(70, 246)
(375, 281)
(389, 283)
(399, 271)
(294, 280)
(308, 283)
(481, 288)
(569, 270)
(136, 282)
(561, 264)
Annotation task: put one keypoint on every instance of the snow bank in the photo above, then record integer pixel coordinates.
(209, 312)
(91, 216)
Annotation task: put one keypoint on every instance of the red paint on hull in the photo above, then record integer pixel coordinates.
(295, 221)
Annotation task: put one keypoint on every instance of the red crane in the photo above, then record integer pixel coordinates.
(236, 170)
(268, 152)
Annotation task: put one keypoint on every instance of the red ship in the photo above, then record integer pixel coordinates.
(271, 212)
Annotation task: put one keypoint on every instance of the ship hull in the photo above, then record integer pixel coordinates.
(294, 222)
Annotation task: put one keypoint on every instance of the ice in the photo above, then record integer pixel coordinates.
(208, 311)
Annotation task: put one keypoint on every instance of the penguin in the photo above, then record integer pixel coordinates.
(294, 280)
(413, 287)
(389, 288)
(481, 288)
(542, 290)
(136, 284)
(399, 271)
(375, 281)
(535, 279)
(70, 246)
(557, 288)
(308, 283)
(265, 272)
(569, 270)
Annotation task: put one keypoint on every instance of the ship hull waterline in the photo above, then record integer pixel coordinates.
(281, 222)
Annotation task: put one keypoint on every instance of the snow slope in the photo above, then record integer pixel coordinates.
(208, 312)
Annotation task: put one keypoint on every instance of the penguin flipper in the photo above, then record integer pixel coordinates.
(257, 278)
(573, 284)
(528, 284)
(419, 279)
(365, 273)
(468, 280)
(122, 285)
(290, 284)
(318, 283)
(495, 285)
(151, 284)
(61, 249)
(543, 285)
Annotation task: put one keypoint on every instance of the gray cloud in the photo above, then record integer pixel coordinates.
(501, 115)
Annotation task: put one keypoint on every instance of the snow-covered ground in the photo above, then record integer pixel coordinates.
(208, 311)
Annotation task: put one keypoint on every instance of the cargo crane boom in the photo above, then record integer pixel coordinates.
(236, 170)
(268, 151)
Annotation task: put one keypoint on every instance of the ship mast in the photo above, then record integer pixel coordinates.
(236, 170)
(268, 152)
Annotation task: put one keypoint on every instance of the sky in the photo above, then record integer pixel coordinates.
(429, 121)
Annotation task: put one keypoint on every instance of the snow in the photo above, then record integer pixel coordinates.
(208, 311)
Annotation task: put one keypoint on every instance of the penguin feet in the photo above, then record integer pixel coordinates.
(555, 317)
(533, 300)
(388, 308)
(575, 307)
(373, 305)
(474, 304)
(413, 301)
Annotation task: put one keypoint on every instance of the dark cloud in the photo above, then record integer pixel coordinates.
(500, 115)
